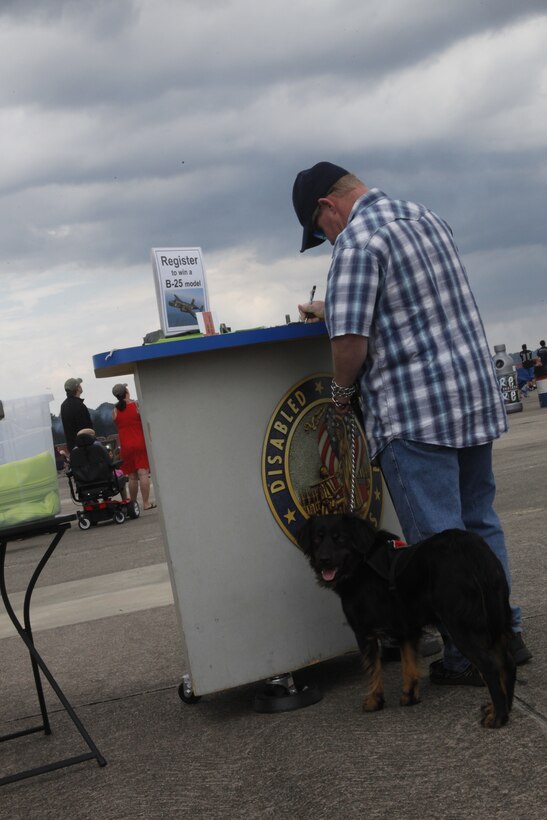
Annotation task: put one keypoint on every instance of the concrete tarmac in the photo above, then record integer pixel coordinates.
(105, 623)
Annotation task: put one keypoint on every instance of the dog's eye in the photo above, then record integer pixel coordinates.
(318, 536)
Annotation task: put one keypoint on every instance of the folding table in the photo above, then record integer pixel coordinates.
(56, 527)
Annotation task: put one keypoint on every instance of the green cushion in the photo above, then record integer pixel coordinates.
(28, 490)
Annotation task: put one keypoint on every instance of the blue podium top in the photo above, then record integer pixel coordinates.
(122, 362)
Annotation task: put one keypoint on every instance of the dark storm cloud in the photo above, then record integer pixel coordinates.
(209, 51)
(99, 16)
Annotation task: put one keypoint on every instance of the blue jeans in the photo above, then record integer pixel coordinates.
(436, 488)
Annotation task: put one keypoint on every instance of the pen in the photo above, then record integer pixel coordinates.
(312, 294)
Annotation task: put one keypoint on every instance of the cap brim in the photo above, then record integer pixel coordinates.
(309, 240)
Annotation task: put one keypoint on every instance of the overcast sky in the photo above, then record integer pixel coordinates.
(132, 124)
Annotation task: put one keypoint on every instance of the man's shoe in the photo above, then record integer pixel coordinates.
(518, 649)
(445, 677)
(430, 644)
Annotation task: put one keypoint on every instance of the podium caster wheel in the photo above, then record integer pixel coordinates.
(186, 694)
(281, 695)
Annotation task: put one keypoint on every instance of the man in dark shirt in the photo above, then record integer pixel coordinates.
(526, 357)
(542, 353)
(525, 375)
(74, 413)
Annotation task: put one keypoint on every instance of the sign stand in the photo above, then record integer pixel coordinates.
(181, 288)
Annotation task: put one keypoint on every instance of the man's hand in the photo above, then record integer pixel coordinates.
(312, 311)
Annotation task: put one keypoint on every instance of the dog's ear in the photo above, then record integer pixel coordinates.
(362, 532)
(304, 536)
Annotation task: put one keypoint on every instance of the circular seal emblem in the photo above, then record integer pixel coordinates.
(307, 460)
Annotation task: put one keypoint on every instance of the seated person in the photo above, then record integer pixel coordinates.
(91, 462)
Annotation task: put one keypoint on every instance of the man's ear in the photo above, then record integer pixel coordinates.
(328, 202)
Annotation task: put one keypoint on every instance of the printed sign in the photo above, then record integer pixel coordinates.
(181, 288)
(307, 460)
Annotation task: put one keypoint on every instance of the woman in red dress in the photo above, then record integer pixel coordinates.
(132, 445)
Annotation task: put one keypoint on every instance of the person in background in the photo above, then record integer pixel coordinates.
(74, 413)
(541, 353)
(61, 458)
(88, 438)
(525, 374)
(398, 304)
(132, 445)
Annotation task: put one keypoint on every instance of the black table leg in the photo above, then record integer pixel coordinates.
(38, 665)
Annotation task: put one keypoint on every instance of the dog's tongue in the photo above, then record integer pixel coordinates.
(328, 574)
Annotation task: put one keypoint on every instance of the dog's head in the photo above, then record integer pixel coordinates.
(335, 545)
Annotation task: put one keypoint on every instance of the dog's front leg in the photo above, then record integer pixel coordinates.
(409, 671)
(374, 698)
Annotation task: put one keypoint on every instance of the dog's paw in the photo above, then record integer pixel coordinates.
(494, 721)
(491, 719)
(410, 698)
(373, 702)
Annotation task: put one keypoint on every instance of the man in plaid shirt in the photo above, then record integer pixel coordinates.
(404, 325)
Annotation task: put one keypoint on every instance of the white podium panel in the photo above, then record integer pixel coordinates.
(247, 601)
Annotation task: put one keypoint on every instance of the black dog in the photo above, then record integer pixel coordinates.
(452, 579)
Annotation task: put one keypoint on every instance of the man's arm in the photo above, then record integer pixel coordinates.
(348, 356)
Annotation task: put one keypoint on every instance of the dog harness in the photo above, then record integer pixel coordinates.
(389, 562)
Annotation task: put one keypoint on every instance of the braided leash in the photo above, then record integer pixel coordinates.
(353, 460)
(339, 393)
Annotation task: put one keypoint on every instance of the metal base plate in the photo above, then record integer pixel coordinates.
(280, 694)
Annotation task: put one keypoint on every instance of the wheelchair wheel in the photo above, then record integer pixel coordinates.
(119, 516)
(133, 509)
(84, 522)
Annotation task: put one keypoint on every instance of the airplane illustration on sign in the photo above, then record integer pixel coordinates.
(185, 307)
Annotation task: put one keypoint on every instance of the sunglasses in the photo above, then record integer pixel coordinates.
(316, 231)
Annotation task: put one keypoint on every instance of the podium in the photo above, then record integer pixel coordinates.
(247, 602)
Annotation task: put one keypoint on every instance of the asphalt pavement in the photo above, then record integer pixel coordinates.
(105, 623)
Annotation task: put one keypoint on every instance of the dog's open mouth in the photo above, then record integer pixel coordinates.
(329, 573)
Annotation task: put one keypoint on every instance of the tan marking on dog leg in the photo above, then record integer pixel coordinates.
(374, 698)
(409, 670)
(490, 719)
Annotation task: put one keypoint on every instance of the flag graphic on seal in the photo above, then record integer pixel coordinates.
(307, 460)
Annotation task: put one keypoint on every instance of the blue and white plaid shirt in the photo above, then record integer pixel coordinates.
(397, 278)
